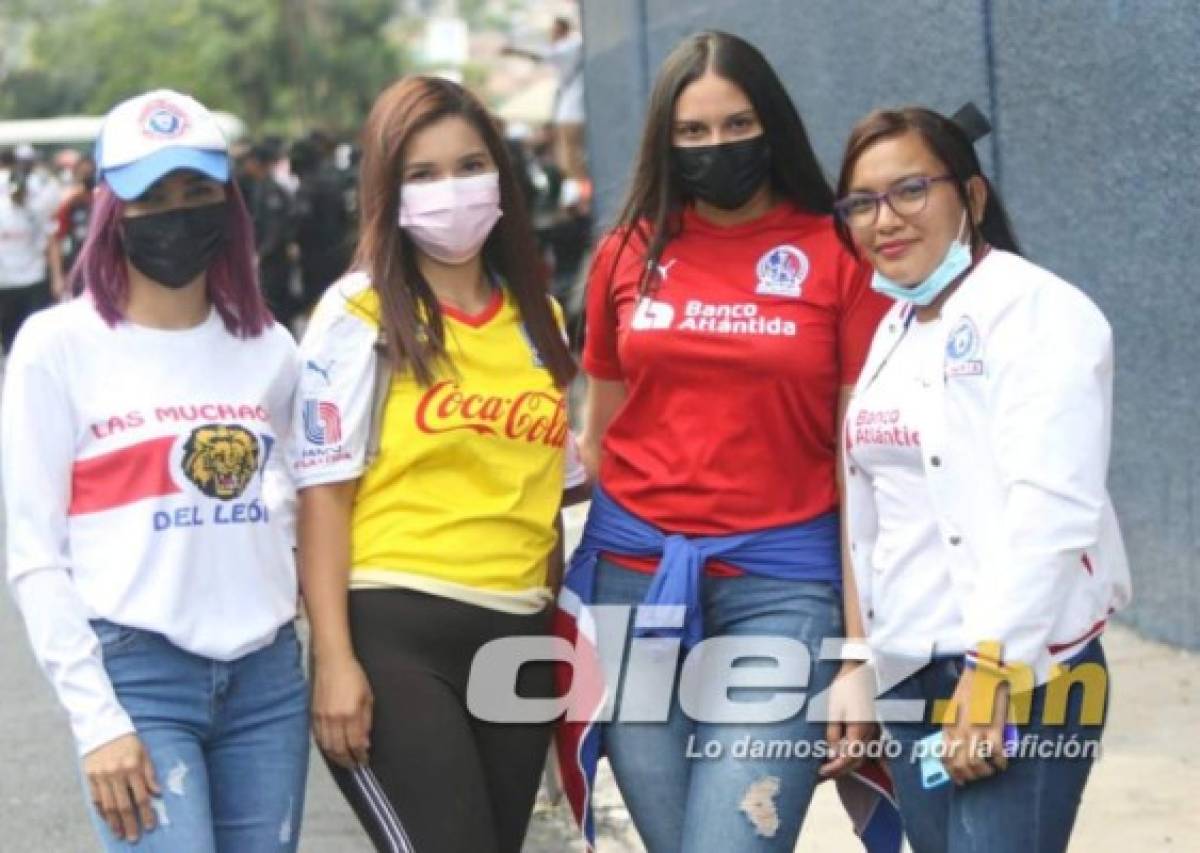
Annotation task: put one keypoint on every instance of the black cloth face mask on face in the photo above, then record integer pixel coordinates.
(175, 246)
(725, 175)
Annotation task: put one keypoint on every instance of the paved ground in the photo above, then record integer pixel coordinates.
(1142, 796)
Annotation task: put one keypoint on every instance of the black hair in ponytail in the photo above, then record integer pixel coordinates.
(952, 142)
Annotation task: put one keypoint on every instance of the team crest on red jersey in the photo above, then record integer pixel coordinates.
(781, 272)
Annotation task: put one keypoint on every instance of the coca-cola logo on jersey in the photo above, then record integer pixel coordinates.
(529, 416)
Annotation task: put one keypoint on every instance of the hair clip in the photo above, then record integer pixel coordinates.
(972, 122)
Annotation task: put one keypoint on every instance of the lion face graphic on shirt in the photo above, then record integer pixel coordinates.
(220, 459)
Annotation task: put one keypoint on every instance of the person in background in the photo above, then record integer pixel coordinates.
(63, 163)
(979, 524)
(27, 252)
(339, 162)
(565, 55)
(281, 169)
(516, 139)
(149, 545)
(44, 185)
(72, 220)
(560, 210)
(346, 160)
(270, 211)
(322, 228)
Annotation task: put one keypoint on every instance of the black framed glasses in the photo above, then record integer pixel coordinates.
(906, 197)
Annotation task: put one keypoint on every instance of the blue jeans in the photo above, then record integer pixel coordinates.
(1029, 807)
(682, 803)
(228, 740)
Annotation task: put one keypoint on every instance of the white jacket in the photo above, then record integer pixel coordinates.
(1015, 441)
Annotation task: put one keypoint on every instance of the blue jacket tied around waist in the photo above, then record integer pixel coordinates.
(809, 551)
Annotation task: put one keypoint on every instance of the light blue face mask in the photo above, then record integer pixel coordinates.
(956, 262)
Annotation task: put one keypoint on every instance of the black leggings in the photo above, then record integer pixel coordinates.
(440, 780)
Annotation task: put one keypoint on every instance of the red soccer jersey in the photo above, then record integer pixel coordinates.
(732, 367)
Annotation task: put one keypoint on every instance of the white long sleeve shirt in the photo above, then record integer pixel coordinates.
(1014, 418)
(144, 485)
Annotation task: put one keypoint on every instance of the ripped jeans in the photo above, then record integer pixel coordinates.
(228, 740)
(683, 796)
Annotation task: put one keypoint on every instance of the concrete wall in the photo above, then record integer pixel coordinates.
(1096, 106)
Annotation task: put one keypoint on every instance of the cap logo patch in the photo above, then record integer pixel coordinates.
(163, 120)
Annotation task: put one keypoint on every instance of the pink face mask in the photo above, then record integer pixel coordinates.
(450, 219)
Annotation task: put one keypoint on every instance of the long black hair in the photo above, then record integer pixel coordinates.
(950, 144)
(656, 197)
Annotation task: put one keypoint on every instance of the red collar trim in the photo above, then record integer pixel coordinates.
(475, 321)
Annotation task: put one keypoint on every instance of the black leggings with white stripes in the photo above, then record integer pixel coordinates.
(439, 780)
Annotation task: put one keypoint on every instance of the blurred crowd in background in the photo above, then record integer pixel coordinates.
(302, 192)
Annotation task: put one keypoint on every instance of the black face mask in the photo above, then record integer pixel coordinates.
(174, 247)
(724, 175)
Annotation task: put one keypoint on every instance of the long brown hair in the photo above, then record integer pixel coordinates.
(411, 318)
(950, 144)
(656, 196)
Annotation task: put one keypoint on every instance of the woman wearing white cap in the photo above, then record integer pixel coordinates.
(145, 550)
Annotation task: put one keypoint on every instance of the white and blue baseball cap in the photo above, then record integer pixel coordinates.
(156, 133)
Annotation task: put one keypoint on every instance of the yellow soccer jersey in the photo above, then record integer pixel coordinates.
(463, 497)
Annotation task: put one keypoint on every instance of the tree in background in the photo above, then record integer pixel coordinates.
(283, 66)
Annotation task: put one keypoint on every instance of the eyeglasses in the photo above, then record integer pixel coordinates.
(906, 197)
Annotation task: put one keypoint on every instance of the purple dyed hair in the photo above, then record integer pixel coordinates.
(232, 276)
